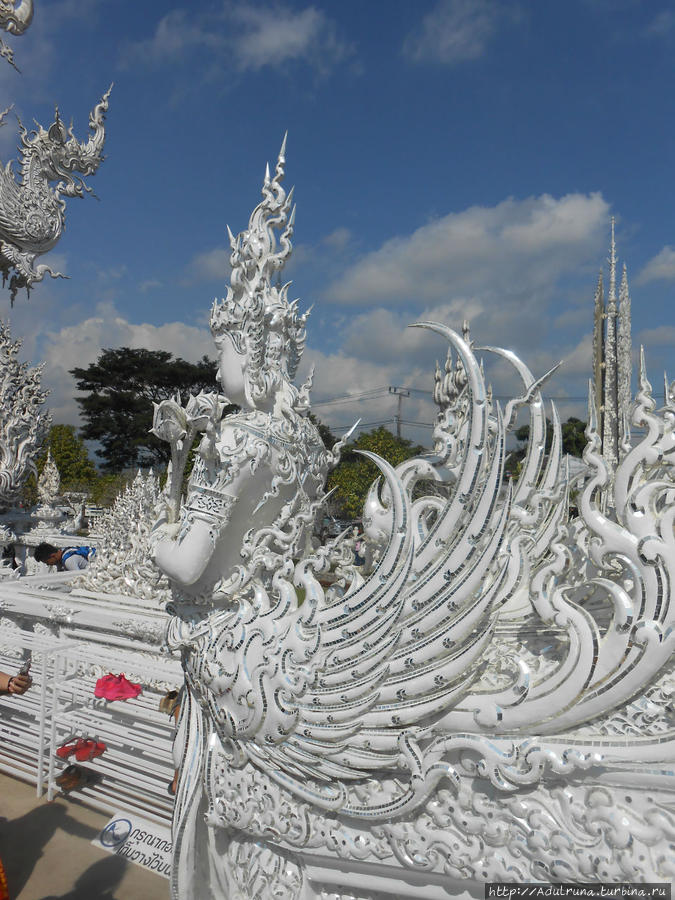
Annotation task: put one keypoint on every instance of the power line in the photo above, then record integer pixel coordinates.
(373, 394)
(362, 425)
(347, 398)
(420, 424)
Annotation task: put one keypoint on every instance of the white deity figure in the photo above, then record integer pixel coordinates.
(257, 482)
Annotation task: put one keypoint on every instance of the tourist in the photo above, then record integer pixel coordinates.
(14, 684)
(66, 559)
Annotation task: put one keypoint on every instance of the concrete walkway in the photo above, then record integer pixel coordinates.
(46, 851)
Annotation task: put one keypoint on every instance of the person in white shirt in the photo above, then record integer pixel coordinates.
(66, 559)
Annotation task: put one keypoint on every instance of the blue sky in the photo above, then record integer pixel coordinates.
(451, 159)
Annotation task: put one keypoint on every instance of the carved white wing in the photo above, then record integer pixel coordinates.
(325, 690)
(320, 686)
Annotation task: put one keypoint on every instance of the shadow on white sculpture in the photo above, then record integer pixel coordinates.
(459, 711)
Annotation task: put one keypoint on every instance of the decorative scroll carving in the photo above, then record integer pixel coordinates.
(32, 212)
(569, 832)
(258, 871)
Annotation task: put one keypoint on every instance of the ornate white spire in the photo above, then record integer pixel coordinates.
(624, 361)
(599, 342)
(612, 364)
(49, 482)
(610, 417)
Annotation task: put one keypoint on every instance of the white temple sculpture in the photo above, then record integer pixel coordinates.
(123, 566)
(490, 703)
(49, 482)
(14, 19)
(612, 362)
(23, 420)
(32, 212)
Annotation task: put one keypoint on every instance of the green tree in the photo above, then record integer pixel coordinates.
(107, 487)
(71, 456)
(69, 452)
(354, 473)
(120, 388)
(573, 437)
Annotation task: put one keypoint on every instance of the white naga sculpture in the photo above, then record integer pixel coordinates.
(32, 212)
(490, 701)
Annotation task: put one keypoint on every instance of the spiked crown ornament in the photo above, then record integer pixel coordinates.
(256, 314)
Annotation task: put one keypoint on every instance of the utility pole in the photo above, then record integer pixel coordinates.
(400, 393)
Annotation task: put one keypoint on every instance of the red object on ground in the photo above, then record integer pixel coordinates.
(116, 687)
(89, 749)
(68, 748)
(84, 749)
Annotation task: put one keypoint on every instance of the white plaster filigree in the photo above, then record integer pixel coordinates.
(122, 564)
(59, 613)
(49, 482)
(23, 422)
(255, 870)
(13, 648)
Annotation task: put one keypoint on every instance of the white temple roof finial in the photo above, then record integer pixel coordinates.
(612, 273)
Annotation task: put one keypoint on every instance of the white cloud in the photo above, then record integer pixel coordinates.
(454, 31)
(507, 258)
(272, 37)
(379, 351)
(150, 284)
(81, 344)
(211, 265)
(499, 267)
(176, 34)
(247, 36)
(663, 336)
(112, 273)
(662, 25)
(660, 268)
(337, 240)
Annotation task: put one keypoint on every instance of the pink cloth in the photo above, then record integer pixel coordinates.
(116, 687)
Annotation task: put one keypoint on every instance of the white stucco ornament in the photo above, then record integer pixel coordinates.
(23, 420)
(49, 482)
(52, 167)
(486, 700)
(14, 19)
